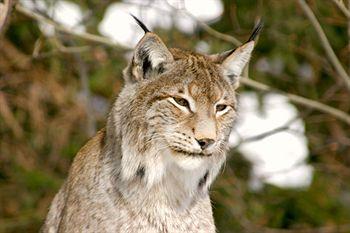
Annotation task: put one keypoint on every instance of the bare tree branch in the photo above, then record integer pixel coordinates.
(86, 95)
(325, 43)
(266, 134)
(261, 136)
(213, 32)
(207, 28)
(5, 11)
(300, 100)
(59, 27)
(284, 127)
(9, 117)
(251, 83)
(342, 7)
(294, 98)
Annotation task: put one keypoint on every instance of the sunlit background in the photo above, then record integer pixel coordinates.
(289, 164)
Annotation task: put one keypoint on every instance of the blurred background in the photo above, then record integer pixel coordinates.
(288, 169)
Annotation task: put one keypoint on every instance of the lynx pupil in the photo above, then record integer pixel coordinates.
(182, 102)
(220, 107)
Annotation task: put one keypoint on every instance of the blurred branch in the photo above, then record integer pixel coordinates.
(268, 133)
(342, 7)
(213, 32)
(70, 49)
(265, 134)
(325, 43)
(254, 84)
(294, 98)
(59, 27)
(60, 48)
(5, 11)
(206, 27)
(300, 100)
(14, 55)
(325, 229)
(86, 95)
(9, 118)
(336, 168)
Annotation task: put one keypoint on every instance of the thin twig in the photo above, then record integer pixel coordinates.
(59, 27)
(206, 27)
(265, 134)
(325, 43)
(86, 95)
(300, 100)
(9, 118)
(342, 7)
(5, 11)
(213, 32)
(261, 136)
(84, 83)
(70, 49)
(254, 84)
(294, 98)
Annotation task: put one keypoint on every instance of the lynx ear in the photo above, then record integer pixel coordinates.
(150, 56)
(234, 61)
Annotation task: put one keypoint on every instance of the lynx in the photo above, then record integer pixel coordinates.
(164, 143)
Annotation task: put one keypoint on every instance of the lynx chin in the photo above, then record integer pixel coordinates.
(164, 143)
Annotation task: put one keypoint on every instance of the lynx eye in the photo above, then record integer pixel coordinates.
(220, 107)
(182, 102)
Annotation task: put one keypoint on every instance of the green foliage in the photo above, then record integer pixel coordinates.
(43, 120)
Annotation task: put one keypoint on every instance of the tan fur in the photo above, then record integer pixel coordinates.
(149, 170)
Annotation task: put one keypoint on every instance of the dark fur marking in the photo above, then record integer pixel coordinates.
(146, 65)
(160, 68)
(203, 180)
(103, 138)
(141, 172)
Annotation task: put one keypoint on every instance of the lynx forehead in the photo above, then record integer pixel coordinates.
(202, 77)
(164, 143)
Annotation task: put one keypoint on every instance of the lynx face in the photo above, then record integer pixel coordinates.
(177, 102)
(194, 107)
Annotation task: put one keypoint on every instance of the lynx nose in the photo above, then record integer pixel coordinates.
(204, 143)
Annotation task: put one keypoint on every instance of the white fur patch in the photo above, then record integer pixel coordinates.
(187, 162)
(130, 162)
(155, 167)
(234, 64)
(157, 57)
(152, 162)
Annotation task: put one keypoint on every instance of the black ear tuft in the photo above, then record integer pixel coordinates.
(142, 25)
(256, 31)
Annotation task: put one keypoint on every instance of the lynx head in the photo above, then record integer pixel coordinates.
(179, 102)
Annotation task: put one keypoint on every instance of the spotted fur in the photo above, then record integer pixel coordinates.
(149, 170)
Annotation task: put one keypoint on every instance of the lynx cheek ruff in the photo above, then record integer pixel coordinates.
(150, 168)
